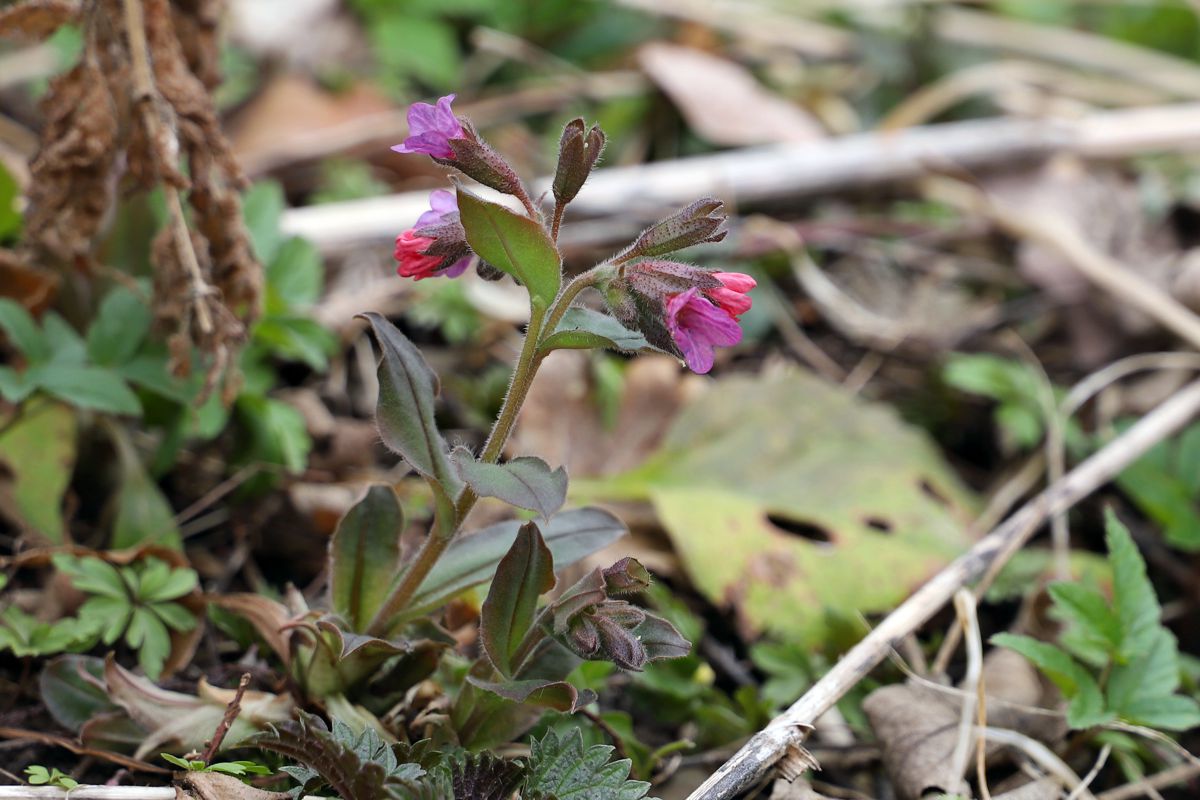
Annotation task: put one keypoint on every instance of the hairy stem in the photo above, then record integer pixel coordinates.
(556, 220)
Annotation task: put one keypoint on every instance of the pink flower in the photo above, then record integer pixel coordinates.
(732, 295)
(698, 327)
(430, 129)
(436, 246)
(410, 252)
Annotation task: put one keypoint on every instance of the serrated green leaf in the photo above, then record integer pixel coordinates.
(112, 614)
(524, 574)
(149, 636)
(277, 432)
(526, 482)
(514, 244)
(405, 411)
(364, 555)
(91, 575)
(174, 616)
(560, 767)
(1145, 685)
(66, 346)
(1073, 680)
(23, 332)
(584, 329)
(297, 338)
(95, 388)
(1088, 611)
(119, 327)
(1133, 595)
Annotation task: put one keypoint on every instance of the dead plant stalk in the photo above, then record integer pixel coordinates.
(147, 100)
(786, 732)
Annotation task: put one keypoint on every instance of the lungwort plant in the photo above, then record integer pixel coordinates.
(379, 637)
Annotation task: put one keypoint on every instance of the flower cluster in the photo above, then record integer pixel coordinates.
(679, 308)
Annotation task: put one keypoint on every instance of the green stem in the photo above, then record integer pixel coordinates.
(448, 522)
(533, 637)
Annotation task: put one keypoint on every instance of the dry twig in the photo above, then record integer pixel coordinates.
(231, 714)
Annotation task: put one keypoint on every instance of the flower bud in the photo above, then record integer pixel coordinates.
(617, 644)
(578, 152)
(625, 577)
(701, 221)
(476, 159)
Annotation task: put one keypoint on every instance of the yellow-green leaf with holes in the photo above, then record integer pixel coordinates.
(787, 497)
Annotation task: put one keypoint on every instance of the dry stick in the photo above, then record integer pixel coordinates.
(145, 97)
(1044, 756)
(964, 605)
(231, 714)
(1101, 760)
(787, 173)
(785, 732)
(1064, 237)
(1159, 780)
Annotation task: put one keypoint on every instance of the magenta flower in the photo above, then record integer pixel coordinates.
(436, 246)
(698, 328)
(430, 129)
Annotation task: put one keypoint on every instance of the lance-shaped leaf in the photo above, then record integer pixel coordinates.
(585, 329)
(661, 639)
(472, 558)
(525, 573)
(525, 482)
(405, 411)
(513, 243)
(364, 555)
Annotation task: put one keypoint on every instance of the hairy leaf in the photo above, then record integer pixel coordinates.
(556, 695)
(525, 573)
(355, 766)
(405, 411)
(472, 559)
(364, 555)
(525, 482)
(584, 329)
(560, 768)
(513, 243)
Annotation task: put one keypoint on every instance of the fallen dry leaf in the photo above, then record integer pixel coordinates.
(722, 101)
(918, 729)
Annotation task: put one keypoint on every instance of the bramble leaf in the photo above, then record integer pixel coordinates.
(1133, 595)
(560, 767)
(120, 325)
(1072, 679)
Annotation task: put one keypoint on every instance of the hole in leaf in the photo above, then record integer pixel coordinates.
(805, 530)
(879, 524)
(931, 491)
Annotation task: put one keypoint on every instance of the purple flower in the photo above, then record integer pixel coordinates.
(430, 129)
(698, 327)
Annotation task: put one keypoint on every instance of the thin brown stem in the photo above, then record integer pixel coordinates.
(231, 714)
(556, 220)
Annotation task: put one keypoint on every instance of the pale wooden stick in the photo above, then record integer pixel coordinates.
(786, 732)
(1159, 780)
(785, 173)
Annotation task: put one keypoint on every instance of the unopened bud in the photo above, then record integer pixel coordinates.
(701, 221)
(626, 576)
(476, 159)
(618, 645)
(578, 152)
